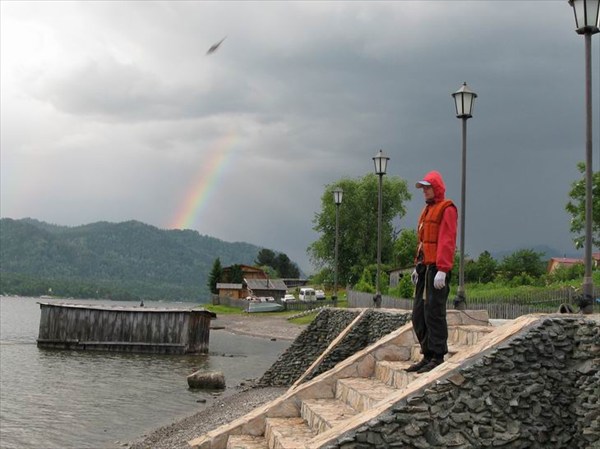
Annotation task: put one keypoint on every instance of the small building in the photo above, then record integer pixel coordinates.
(562, 262)
(566, 262)
(396, 274)
(124, 329)
(234, 291)
(266, 287)
(293, 283)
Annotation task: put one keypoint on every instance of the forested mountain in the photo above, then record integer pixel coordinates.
(129, 260)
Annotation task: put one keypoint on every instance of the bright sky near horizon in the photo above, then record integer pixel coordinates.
(114, 111)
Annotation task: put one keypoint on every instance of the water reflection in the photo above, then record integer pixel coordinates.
(75, 399)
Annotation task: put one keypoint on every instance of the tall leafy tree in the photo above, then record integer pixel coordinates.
(523, 262)
(482, 270)
(486, 267)
(236, 275)
(358, 224)
(405, 248)
(285, 267)
(265, 257)
(215, 276)
(278, 262)
(576, 207)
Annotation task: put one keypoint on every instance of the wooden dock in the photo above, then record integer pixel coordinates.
(124, 329)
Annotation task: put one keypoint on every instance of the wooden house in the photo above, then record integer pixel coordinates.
(266, 287)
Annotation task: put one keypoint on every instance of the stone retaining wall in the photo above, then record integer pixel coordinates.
(540, 389)
(317, 337)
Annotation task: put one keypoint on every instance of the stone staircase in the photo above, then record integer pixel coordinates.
(365, 385)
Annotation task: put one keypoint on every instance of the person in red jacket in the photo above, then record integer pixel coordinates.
(436, 233)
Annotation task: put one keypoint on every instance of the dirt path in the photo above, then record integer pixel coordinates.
(258, 325)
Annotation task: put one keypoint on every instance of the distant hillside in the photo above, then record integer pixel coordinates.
(131, 258)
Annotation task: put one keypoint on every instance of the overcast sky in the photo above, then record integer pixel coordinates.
(114, 111)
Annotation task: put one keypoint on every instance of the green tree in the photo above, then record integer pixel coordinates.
(265, 257)
(215, 276)
(521, 263)
(576, 207)
(486, 268)
(236, 275)
(285, 267)
(405, 248)
(357, 246)
(279, 262)
(405, 288)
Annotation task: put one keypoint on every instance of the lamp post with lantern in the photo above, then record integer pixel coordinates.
(587, 20)
(338, 193)
(380, 161)
(463, 100)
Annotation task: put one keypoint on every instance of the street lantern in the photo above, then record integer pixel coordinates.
(380, 163)
(380, 168)
(587, 16)
(338, 193)
(463, 100)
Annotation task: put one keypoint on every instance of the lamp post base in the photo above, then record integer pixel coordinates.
(460, 302)
(586, 300)
(586, 304)
(377, 301)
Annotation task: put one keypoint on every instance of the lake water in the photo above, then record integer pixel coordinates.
(75, 399)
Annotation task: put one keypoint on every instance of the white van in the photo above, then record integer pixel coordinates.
(307, 294)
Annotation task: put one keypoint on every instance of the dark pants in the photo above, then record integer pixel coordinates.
(429, 313)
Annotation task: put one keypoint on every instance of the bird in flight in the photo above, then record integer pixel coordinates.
(215, 47)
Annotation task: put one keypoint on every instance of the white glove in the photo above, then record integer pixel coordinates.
(414, 277)
(439, 281)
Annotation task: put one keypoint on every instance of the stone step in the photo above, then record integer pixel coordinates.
(323, 414)
(393, 373)
(362, 393)
(287, 433)
(467, 334)
(246, 442)
(415, 352)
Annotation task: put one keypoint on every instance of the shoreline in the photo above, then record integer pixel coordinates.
(264, 326)
(229, 406)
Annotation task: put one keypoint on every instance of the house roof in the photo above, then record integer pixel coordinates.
(566, 260)
(265, 284)
(227, 286)
(245, 268)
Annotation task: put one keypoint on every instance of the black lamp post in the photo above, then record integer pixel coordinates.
(587, 20)
(338, 193)
(380, 168)
(463, 100)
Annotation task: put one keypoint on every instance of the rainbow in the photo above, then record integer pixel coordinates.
(205, 182)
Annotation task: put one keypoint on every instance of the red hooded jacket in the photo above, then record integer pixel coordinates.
(446, 238)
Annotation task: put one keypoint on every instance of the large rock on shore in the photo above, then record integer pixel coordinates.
(209, 380)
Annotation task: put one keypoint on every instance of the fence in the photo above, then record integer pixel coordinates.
(507, 307)
(289, 305)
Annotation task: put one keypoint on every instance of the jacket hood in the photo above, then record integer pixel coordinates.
(437, 183)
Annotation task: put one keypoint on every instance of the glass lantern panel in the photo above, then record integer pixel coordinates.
(586, 13)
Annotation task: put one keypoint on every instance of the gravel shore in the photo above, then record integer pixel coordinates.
(229, 407)
(176, 435)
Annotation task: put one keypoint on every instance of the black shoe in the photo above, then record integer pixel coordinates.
(429, 366)
(417, 366)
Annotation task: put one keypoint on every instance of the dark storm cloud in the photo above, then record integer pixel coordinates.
(309, 91)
